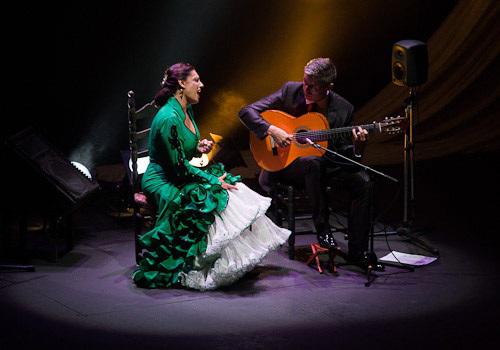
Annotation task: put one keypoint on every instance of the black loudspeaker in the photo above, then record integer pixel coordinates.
(409, 63)
(49, 171)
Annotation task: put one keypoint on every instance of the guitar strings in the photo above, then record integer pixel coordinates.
(323, 135)
(328, 133)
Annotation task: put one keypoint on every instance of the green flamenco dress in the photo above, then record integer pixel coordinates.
(194, 234)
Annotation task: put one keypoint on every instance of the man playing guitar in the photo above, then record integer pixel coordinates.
(315, 94)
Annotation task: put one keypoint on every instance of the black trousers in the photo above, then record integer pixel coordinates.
(315, 174)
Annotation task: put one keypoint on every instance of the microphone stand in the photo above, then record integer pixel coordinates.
(365, 167)
(372, 224)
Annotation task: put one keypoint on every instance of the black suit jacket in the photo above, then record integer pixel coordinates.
(290, 99)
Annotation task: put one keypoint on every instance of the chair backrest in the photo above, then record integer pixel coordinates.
(139, 122)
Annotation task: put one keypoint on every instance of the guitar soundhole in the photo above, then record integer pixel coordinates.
(300, 138)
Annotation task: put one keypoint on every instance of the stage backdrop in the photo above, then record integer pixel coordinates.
(88, 56)
(458, 107)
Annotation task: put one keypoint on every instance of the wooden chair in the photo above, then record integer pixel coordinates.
(139, 126)
(284, 207)
(291, 204)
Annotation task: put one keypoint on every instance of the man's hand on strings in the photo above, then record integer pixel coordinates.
(280, 136)
(359, 138)
(359, 134)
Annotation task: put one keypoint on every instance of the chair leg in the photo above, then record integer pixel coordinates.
(276, 210)
(137, 233)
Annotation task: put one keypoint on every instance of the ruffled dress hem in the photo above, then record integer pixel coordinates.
(237, 241)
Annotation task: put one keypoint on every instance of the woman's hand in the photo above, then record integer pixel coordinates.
(225, 185)
(205, 146)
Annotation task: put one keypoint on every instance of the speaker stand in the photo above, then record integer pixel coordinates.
(406, 228)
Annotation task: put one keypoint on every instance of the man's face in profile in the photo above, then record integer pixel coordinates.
(314, 90)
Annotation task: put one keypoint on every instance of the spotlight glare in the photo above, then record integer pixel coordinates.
(83, 169)
(142, 164)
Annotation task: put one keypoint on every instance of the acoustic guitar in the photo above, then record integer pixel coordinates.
(312, 126)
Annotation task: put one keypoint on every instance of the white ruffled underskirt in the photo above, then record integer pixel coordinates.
(237, 241)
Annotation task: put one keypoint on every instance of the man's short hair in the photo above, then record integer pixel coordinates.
(321, 69)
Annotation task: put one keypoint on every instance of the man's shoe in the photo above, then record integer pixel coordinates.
(326, 240)
(373, 261)
(365, 260)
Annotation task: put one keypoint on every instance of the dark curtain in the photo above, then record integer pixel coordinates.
(457, 108)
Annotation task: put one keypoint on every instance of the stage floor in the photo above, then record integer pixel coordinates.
(86, 299)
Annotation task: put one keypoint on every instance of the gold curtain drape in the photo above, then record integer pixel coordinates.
(457, 108)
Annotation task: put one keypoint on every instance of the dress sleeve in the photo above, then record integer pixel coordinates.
(176, 155)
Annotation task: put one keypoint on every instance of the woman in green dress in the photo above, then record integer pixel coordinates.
(211, 228)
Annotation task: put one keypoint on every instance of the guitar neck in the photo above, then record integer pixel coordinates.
(324, 135)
